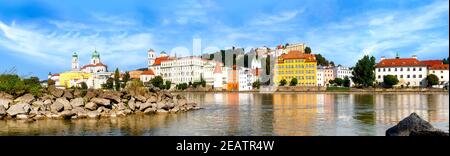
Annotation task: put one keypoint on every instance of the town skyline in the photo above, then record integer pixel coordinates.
(48, 36)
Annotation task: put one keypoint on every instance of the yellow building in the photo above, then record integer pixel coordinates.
(73, 78)
(296, 64)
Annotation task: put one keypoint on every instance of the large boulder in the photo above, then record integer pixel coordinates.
(121, 106)
(19, 108)
(150, 110)
(132, 104)
(90, 106)
(152, 99)
(412, 125)
(144, 106)
(2, 111)
(111, 95)
(140, 98)
(4, 95)
(181, 102)
(161, 105)
(58, 105)
(90, 94)
(27, 98)
(77, 102)
(67, 114)
(68, 94)
(5, 102)
(101, 101)
(93, 114)
(56, 92)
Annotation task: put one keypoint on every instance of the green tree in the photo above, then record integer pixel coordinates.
(331, 63)
(116, 79)
(308, 50)
(211, 56)
(346, 81)
(12, 84)
(33, 86)
(321, 60)
(363, 72)
(293, 82)
(268, 65)
(125, 79)
(283, 82)
(432, 80)
(256, 84)
(222, 53)
(246, 61)
(109, 84)
(168, 84)
(84, 85)
(445, 60)
(338, 81)
(157, 81)
(389, 81)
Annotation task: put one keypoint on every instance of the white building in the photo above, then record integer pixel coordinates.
(182, 70)
(245, 79)
(320, 77)
(256, 68)
(438, 68)
(342, 72)
(96, 65)
(218, 78)
(147, 75)
(409, 71)
(97, 79)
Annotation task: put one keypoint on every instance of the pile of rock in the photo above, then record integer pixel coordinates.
(73, 104)
(413, 125)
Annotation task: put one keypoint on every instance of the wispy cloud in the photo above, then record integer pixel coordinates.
(266, 19)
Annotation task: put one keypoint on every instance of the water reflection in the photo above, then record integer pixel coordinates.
(260, 114)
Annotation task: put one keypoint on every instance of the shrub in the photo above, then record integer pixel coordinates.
(389, 81)
(256, 84)
(135, 87)
(432, 80)
(283, 82)
(293, 82)
(157, 81)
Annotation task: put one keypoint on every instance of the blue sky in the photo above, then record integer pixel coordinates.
(37, 37)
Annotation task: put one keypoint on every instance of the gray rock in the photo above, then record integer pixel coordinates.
(160, 105)
(93, 114)
(22, 116)
(80, 112)
(68, 94)
(170, 105)
(161, 111)
(67, 114)
(182, 102)
(2, 110)
(140, 98)
(138, 105)
(90, 94)
(77, 102)
(91, 106)
(58, 105)
(152, 99)
(5, 102)
(20, 108)
(412, 124)
(149, 110)
(101, 101)
(27, 98)
(56, 92)
(132, 104)
(101, 109)
(121, 106)
(144, 106)
(127, 111)
(111, 95)
(174, 109)
(64, 102)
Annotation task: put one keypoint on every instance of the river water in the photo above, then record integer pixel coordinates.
(242, 114)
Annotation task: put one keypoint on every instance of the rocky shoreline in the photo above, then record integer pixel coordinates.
(75, 104)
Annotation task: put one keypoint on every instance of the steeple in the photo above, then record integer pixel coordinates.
(75, 66)
(95, 57)
(397, 56)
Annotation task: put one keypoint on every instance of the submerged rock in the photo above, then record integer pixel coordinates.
(413, 125)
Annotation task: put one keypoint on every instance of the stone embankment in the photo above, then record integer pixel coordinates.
(73, 104)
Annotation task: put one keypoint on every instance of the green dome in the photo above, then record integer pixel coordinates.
(163, 52)
(74, 54)
(95, 54)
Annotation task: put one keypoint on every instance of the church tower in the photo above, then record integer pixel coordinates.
(151, 57)
(75, 66)
(95, 58)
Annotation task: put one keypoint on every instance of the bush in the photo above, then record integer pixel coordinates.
(157, 81)
(135, 87)
(293, 82)
(283, 82)
(346, 82)
(256, 84)
(14, 85)
(167, 85)
(84, 85)
(432, 80)
(389, 81)
(181, 86)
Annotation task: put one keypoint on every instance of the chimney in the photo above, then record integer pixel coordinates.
(382, 58)
(414, 56)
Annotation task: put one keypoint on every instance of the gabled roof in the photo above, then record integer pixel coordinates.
(400, 62)
(147, 72)
(435, 64)
(295, 54)
(160, 59)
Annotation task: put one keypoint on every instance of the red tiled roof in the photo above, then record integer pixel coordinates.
(160, 59)
(94, 65)
(295, 54)
(400, 62)
(147, 72)
(435, 64)
(55, 75)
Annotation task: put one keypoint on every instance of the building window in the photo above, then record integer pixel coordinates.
(414, 76)
(442, 77)
(420, 69)
(379, 77)
(420, 76)
(389, 69)
(407, 76)
(401, 69)
(401, 76)
(384, 69)
(395, 69)
(414, 69)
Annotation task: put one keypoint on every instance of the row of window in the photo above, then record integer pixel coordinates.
(299, 77)
(297, 72)
(399, 69)
(294, 61)
(297, 66)
(401, 76)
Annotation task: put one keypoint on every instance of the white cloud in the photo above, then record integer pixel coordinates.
(274, 19)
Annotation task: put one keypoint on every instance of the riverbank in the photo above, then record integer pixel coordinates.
(76, 103)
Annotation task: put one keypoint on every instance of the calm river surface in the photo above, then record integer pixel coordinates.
(282, 114)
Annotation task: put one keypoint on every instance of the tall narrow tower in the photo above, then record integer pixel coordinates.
(151, 57)
(95, 58)
(75, 62)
